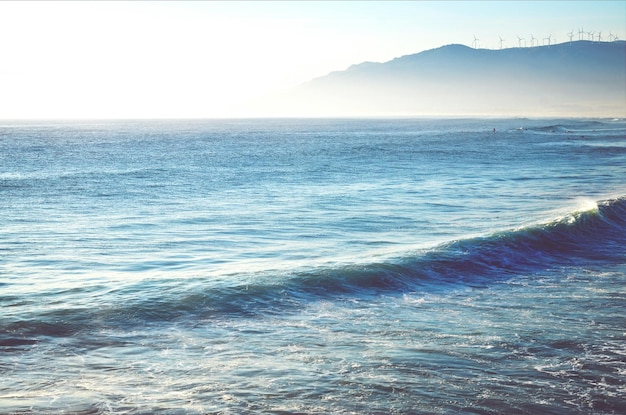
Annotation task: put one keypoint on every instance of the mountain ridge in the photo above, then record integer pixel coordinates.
(581, 78)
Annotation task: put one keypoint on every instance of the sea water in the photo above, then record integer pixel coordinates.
(337, 266)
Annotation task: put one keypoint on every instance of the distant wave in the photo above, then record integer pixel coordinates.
(596, 235)
(580, 126)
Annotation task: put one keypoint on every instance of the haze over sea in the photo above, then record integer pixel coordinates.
(281, 266)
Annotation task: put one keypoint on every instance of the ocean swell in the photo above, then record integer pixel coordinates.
(596, 236)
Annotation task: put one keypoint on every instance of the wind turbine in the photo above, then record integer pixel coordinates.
(475, 42)
(548, 39)
(599, 36)
(580, 33)
(571, 35)
(590, 35)
(519, 41)
(501, 40)
(610, 36)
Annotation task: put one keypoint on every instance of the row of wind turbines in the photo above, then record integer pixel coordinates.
(548, 40)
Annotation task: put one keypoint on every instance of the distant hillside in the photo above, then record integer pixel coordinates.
(570, 79)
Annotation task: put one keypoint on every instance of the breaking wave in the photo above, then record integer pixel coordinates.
(594, 235)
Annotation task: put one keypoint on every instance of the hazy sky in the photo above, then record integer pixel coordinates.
(198, 59)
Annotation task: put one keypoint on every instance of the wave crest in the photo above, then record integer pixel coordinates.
(587, 236)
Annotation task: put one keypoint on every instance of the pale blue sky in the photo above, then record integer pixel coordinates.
(199, 59)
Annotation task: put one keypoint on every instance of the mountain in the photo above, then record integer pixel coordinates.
(580, 78)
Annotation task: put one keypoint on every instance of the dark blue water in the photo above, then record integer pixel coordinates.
(313, 266)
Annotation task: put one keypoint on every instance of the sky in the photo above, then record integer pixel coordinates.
(200, 59)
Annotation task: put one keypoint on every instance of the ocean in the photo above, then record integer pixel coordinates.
(313, 266)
